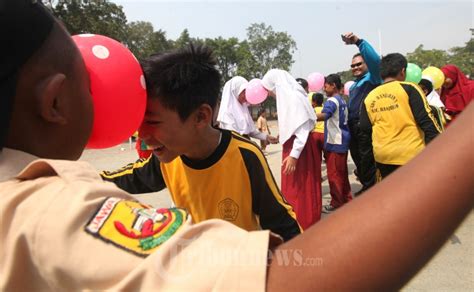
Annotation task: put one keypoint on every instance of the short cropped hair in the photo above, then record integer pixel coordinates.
(318, 98)
(425, 83)
(392, 64)
(183, 79)
(334, 79)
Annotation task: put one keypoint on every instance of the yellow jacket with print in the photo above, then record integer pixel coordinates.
(396, 122)
(235, 184)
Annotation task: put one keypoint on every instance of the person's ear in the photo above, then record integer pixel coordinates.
(50, 103)
(403, 74)
(203, 115)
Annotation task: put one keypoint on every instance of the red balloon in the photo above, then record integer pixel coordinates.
(117, 86)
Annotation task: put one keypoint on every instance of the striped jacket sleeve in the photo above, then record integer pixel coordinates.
(267, 201)
(142, 176)
(422, 112)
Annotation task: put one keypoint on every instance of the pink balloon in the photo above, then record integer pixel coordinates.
(255, 93)
(118, 89)
(315, 81)
(347, 86)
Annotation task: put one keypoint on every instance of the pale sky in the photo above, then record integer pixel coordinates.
(316, 26)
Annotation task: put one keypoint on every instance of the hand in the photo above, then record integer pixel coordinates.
(271, 139)
(289, 165)
(271, 93)
(349, 38)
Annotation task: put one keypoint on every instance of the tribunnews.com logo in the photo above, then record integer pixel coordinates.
(293, 257)
(188, 258)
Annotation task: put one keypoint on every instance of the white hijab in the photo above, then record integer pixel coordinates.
(433, 97)
(293, 107)
(232, 114)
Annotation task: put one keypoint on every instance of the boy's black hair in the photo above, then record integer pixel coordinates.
(261, 111)
(184, 79)
(392, 64)
(334, 79)
(357, 55)
(318, 98)
(302, 82)
(425, 83)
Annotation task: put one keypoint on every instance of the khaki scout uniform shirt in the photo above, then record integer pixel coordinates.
(63, 228)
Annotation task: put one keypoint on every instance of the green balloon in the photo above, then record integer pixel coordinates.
(413, 73)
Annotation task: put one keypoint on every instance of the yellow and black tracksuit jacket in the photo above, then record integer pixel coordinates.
(396, 123)
(234, 184)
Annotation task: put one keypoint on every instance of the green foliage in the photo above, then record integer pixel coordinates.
(143, 41)
(247, 64)
(266, 49)
(183, 40)
(269, 49)
(159, 42)
(263, 49)
(425, 58)
(346, 76)
(138, 38)
(463, 57)
(99, 17)
(226, 53)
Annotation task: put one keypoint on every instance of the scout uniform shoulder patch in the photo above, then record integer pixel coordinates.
(135, 227)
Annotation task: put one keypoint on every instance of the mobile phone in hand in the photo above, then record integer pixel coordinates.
(344, 39)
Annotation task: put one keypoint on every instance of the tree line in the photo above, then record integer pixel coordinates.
(252, 57)
(262, 50)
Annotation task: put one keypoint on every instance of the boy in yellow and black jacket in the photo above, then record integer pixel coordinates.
(396, 121)
(213, 173)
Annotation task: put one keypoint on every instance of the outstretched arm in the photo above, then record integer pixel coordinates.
(372, 59)
(143, 176)
(401, 223)
(370, 56)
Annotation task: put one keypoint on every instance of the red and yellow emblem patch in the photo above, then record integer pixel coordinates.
(133, 226)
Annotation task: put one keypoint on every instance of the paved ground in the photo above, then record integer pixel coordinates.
(451, 270)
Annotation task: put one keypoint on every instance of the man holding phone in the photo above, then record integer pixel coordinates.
(365, 68)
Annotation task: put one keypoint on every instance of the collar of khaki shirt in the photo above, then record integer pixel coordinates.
(12, 162)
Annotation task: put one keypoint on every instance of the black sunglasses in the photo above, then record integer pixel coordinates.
(356, 64)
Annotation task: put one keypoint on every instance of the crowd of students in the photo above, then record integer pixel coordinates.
(385, 124)
(381, 133)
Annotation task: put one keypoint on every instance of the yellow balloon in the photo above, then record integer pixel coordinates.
(436, 76)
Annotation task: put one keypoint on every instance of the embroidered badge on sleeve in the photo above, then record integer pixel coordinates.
(133, 226)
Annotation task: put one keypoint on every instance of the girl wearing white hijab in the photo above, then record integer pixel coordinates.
(234, 113)
(301, 175)
(432, 96)
(434, 100)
